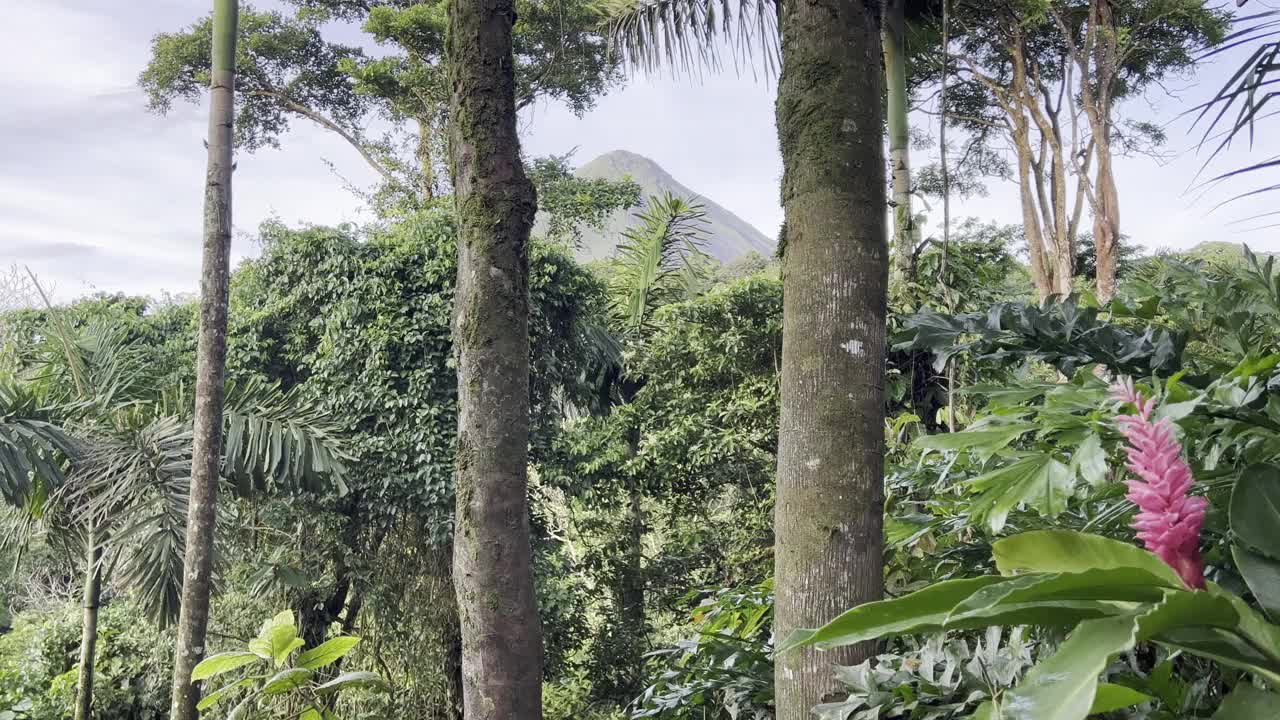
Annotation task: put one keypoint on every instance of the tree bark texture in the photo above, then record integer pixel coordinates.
(495, 201)
(89, 628)
(895, 67)
(211, 353)
(828, 524)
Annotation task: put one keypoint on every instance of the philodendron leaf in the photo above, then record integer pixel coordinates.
(215, 665)
(1064, 551)
(1063, 686)
(277, 638)
(1255, 509)
(1040, 482)
(328, 652)
(1262, 575)
(1111, 697)
(1247, 702)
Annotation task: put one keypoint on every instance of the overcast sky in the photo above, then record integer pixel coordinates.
(98, 194)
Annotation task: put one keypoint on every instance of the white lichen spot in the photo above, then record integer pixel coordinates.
(495, 271)
(813, 463)
(850, 126)
(853, 347)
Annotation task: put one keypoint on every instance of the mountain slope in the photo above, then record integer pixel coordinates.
(729, 237)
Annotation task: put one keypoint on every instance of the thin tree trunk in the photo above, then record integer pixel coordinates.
(1040, 272)
(828, 522)
(1106, 224)
(631, 593)
(426, 161)
(89, 628)
(210, 367)
(895, 67)
(495, 201)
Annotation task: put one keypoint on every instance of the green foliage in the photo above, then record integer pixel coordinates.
(725, 670)
(657, 260)
(38, 659)
(278, 672)
(571, 204)
(1114, 594)
(1062, 333)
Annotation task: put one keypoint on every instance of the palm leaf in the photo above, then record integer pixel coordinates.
(689, 35)
(279, 442)
(659, 260)
(34, 452)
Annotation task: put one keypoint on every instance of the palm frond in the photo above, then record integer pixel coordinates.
(133, 490)
(691, 35)
(1235, 108)
(659, 260)
(34, 452)
(279, 442)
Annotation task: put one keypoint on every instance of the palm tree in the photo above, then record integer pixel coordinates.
(658, 261)
(96, 454)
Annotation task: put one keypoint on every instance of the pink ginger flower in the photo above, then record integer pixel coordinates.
(1169, 520)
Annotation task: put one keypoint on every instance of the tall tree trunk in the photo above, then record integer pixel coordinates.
(493, 558)
(632, 586)
(1041, 273)
(1096, 97)
(211, 354)
(828, 524)
(89, 627)
(1106, 224)
(895, 70)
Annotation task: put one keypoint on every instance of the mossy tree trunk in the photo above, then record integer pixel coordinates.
(89, 628)
(493, 559)
(828, 554)
(211, 354)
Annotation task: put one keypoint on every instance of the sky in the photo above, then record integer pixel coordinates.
(99, 195)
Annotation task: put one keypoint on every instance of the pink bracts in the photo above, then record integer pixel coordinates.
(1169, 520)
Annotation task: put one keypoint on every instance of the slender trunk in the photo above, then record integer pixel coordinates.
(426, 161)
(495, 201)
(1106, 224)
(631, 591)
(210, 367)
(1030, 219)
(895, 69)
(89, 628)
(1096, 97)
(828, 524)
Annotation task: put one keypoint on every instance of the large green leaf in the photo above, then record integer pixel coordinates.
(1039, 482)
(1247, 702)
(352, 679)
(328, 652)
(983, 441)
(1262, 575)
(1064, 551)
(286, 680)
(223, 693)
(1111, 697)
(1117, 584)
(1255, 509)
(1222, 646)
(277, 640)
(934, 601)
(1090, 460)
(1063, 686)
(929, 610)
(224, 662)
